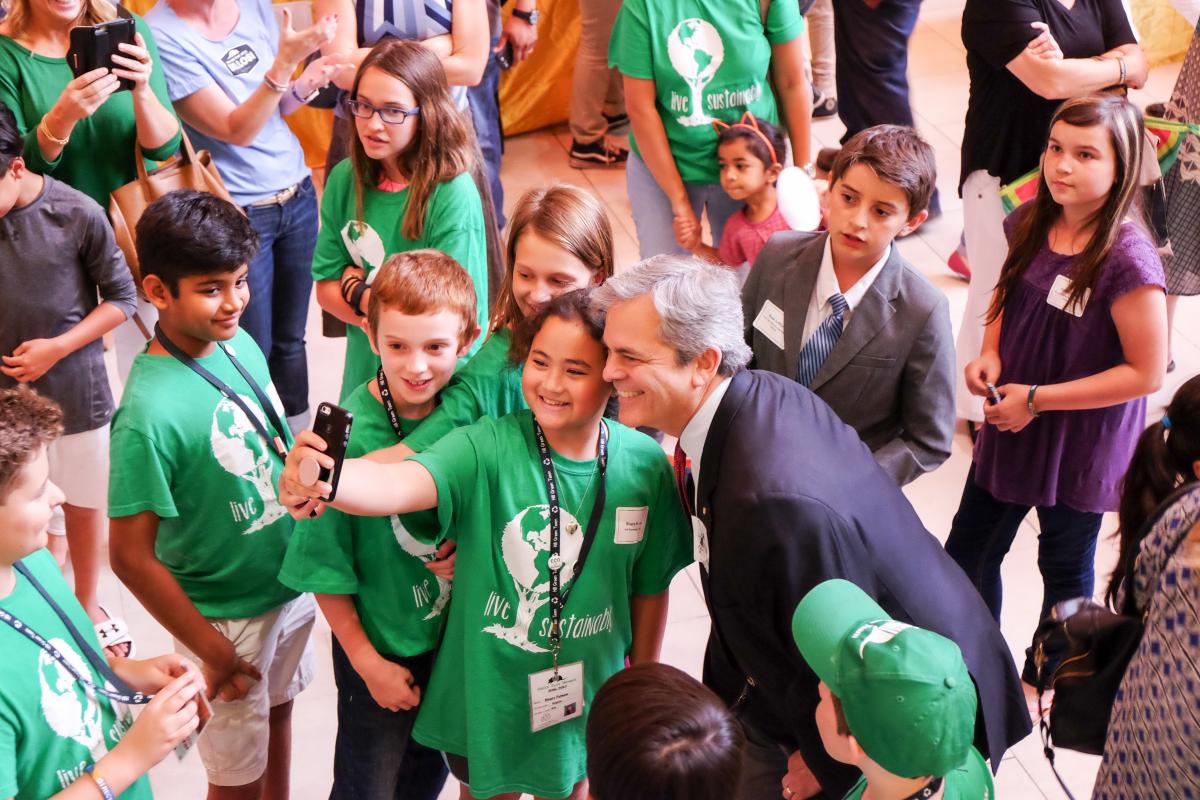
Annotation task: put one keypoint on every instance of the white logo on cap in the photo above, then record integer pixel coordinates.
(881, 633)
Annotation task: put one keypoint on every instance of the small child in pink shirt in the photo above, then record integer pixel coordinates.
(748, 152)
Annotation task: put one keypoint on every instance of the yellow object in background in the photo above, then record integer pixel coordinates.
(537, 92)
(1165, 35)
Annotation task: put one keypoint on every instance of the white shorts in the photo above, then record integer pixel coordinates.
(233, 746)
(79, 466)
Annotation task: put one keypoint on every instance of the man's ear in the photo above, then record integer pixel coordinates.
(365, 324)
(18, 168)
(705, 367)
(156, 291)
(468, 339)
(914, 222)
(1196, 469)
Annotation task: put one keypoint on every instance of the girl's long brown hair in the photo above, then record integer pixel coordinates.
(1162, 462)
(441, 148)
(1126, 132)
(571, 218)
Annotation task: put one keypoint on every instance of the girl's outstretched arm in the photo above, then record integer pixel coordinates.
(365, 488)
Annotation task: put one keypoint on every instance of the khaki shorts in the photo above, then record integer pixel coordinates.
(233, 746)
(79, 466)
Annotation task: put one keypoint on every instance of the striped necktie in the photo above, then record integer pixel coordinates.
(822, 341)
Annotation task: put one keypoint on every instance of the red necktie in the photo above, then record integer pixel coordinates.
(683, 481)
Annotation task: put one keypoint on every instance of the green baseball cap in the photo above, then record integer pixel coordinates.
(905, 691)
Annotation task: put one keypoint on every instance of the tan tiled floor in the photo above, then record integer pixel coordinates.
(939, 85)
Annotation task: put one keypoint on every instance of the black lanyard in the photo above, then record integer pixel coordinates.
(276, 442)
(389, 405)
(926, 791)
(558, 597)
(122, 693)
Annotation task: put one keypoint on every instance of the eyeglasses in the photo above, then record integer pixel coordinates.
(392, 115)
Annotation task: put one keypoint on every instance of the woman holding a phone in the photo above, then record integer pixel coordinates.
(81, 130)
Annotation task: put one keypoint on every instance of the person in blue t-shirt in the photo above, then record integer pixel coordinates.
(229, 68)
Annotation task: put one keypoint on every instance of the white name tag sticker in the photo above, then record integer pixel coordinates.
(631, 524)
(555, 697)
(769, 323)
(699, 541)
(1061, 291)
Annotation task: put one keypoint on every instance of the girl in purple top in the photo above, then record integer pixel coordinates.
(1076, 337)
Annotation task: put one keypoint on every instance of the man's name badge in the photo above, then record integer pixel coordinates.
(769, 323)
(555, 696)
(699, 541)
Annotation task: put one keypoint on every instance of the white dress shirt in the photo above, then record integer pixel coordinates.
(695, 433)
(827, 286)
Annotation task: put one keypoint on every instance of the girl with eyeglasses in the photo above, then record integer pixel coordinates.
(407, 185)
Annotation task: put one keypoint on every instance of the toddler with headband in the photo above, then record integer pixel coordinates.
(750, 154)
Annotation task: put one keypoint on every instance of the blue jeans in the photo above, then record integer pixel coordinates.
(375, 757)
(280, 286)
(983, 531)
(484, 102)
(652, 209)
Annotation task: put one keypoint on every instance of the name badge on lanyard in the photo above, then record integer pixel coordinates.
(556, 694)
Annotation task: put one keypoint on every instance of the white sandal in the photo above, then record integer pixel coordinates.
(114, 632)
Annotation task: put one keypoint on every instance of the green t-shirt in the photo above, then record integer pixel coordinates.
(51, 725)
(708, 61)
(492, 496)
(186, 452)
(971, 781)
(453, 224)
(100, 156)
(488, 386)
(400, 603)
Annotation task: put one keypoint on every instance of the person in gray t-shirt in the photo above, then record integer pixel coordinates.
(57, 251)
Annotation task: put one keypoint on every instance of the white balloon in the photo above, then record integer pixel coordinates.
(798, 200)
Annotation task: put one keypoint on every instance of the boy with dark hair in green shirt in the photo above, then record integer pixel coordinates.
(197, 532)
(383, 592)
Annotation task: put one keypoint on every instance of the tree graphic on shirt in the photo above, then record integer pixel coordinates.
(525, 548)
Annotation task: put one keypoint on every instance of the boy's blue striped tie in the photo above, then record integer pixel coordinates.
(822, 341)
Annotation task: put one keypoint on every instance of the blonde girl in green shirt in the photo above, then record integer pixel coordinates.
(569, 533)
(559, 239)
(407, 185)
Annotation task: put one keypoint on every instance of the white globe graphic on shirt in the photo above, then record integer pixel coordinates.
(72, 711)
(238, 447)
(364, 246)
(525, 548)
(696, 52)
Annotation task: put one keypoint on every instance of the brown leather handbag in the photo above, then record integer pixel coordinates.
(189, 169)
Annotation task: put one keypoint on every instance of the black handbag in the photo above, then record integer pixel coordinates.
(1081, 651)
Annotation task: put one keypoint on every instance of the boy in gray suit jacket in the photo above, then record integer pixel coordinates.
(841, 311)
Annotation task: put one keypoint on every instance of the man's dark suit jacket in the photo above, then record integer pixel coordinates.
(791, 497)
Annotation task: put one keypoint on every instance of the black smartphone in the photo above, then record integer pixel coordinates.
(93, 46)
(505, 57)
(333, 425)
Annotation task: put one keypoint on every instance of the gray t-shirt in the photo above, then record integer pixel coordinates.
(55, 253)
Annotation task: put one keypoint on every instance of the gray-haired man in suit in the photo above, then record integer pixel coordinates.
(843, 313)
